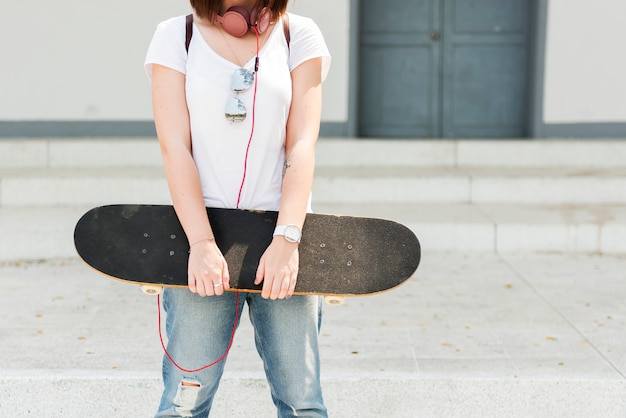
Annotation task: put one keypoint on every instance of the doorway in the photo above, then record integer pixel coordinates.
(443, 68)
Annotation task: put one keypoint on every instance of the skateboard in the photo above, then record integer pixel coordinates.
(339, 255)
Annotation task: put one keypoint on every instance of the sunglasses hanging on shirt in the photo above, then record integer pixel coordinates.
(241, 81)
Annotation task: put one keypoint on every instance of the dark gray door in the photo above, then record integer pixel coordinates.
(399, 72)
(443, 68)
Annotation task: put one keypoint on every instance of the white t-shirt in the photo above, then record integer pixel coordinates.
(219, 146)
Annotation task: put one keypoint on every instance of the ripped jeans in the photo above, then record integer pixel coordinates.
(199, 331)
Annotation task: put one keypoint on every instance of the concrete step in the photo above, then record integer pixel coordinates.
(81, 187)
(337, 152)
(477, 185)
(98, 394)
(494, 196)
(372, 184)
(33, 233)
(24, 153)
(79, 172)
(471, 335)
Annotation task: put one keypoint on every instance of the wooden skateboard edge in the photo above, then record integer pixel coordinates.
(338, 295)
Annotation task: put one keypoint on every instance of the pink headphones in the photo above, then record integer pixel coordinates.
(237, 21)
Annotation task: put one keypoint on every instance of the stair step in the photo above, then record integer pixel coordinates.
(38, 233)
(494, 196)
(80, 187)
(471, 185)
(104, 395)
(532, 186)
(47, 232)
(79, 153)
(341, 152)
(472, 153)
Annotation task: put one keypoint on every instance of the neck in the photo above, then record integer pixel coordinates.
(246, 4)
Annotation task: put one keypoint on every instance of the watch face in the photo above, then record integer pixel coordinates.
(292, 233)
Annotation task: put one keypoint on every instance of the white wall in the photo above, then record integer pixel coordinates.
(585, 71)
(82, 60)
(333, 18)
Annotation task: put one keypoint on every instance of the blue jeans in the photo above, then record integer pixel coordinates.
(199, 331)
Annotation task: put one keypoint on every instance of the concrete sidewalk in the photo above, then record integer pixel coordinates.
(472, 335)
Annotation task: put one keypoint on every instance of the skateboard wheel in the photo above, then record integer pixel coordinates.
(334, 300)
(152, 290)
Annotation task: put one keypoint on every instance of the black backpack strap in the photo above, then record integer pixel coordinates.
(188, 31)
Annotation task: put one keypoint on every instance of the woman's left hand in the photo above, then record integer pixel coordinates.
(278, 269)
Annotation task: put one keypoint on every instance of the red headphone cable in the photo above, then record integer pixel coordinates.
(230, 343)
(256, 81)
(243, 180)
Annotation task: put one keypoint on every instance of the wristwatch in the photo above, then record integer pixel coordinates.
(290, 232)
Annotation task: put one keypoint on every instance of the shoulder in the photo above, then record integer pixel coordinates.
(302, 25)
(307, 42)
(168, 46)
(172, 26)
(169, 33)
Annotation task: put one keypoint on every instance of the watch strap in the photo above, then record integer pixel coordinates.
(283, 230)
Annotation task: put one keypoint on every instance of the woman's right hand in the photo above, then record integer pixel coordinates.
(207, 270)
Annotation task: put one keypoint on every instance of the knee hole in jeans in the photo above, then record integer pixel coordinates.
(187, 397)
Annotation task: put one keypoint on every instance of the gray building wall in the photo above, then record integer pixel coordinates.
(74, 68)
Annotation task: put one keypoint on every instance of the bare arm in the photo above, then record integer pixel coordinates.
(279, 265)
(302, 133)
(206, 264)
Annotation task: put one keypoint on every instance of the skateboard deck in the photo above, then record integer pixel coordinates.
(339, 255)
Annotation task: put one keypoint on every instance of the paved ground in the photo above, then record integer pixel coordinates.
(472, 335)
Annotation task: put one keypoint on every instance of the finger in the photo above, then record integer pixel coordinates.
(217, 284)
(226, 277)
(260, 272)
(277, 287)
(292, 285)
(191, 282)
(266, 292)
(284, 288)
(201, 288)
(208, 281)
(218, 288)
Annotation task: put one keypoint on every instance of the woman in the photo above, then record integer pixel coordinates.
(237, 116)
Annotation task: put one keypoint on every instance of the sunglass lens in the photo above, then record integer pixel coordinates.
(235, 110)
(242, 80)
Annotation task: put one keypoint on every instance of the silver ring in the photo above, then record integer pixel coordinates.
(217, 284)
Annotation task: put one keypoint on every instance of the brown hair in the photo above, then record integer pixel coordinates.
(210, 8)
